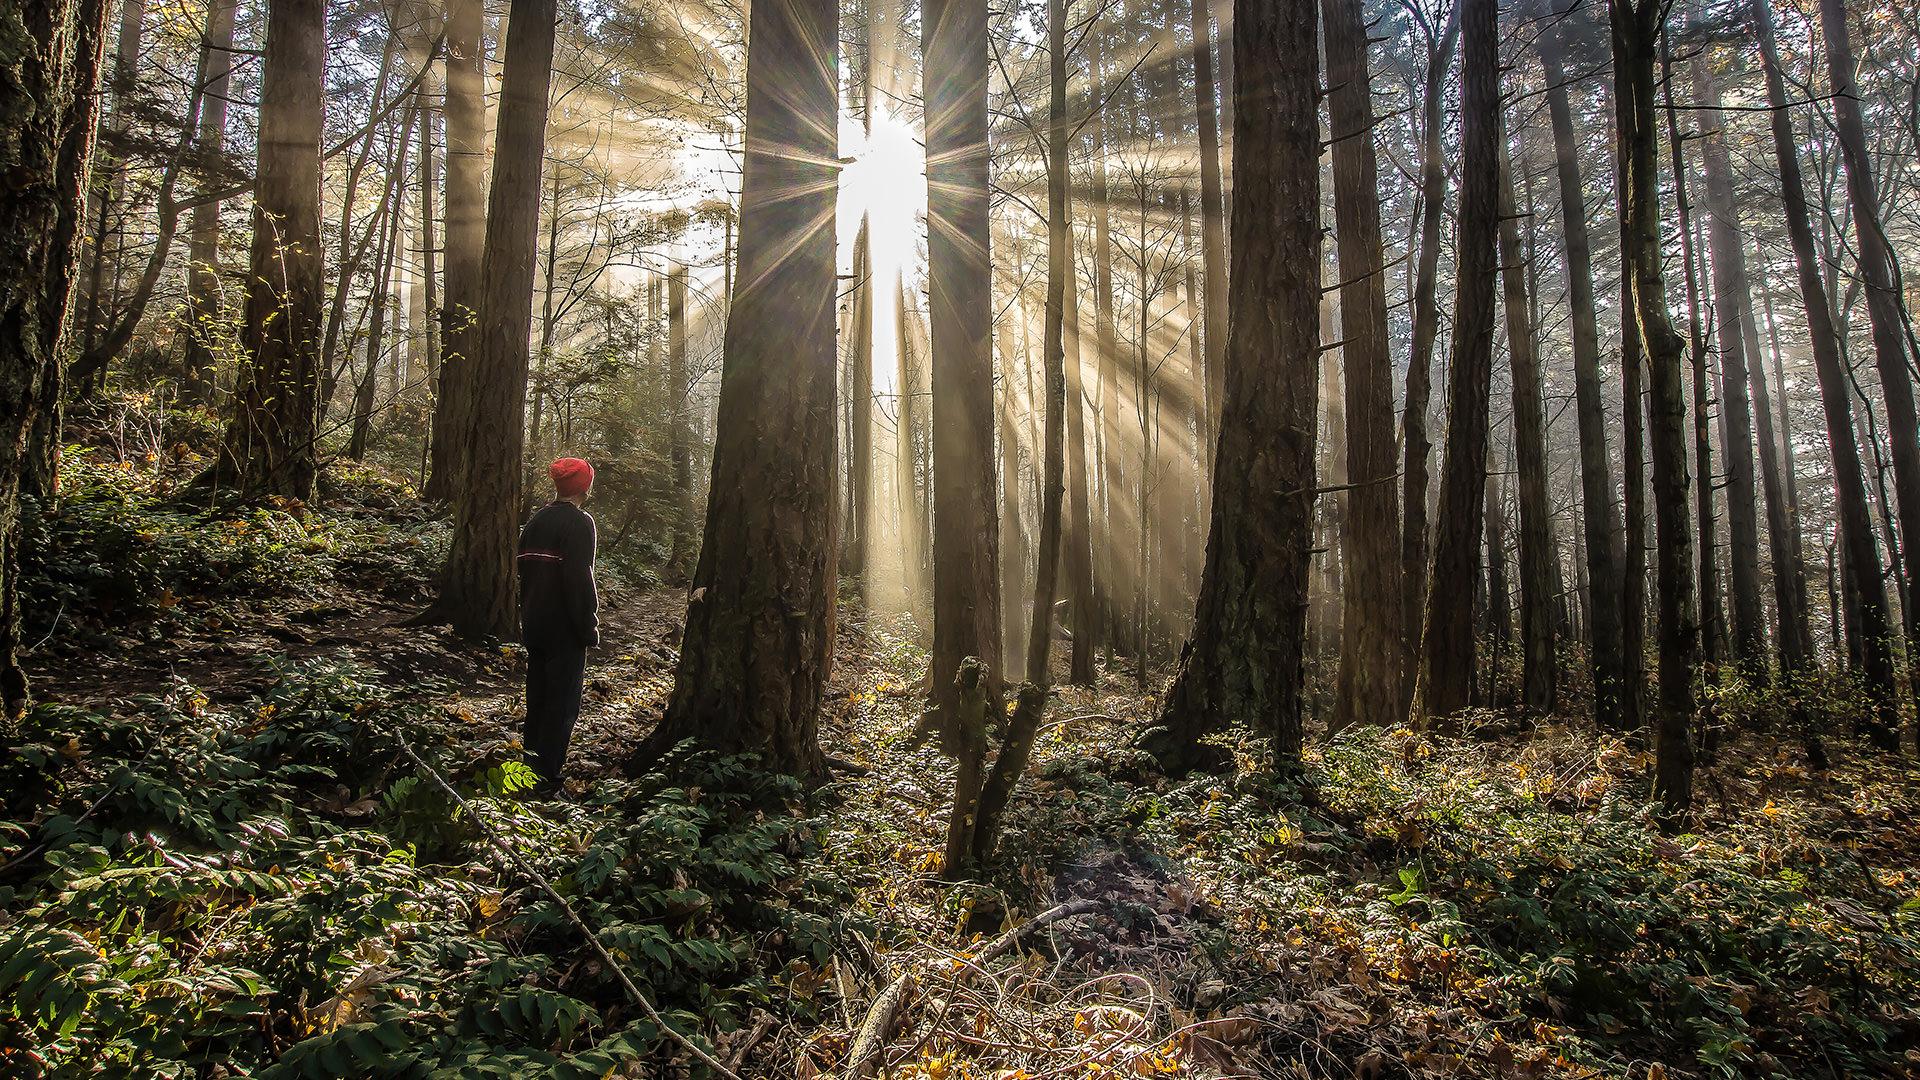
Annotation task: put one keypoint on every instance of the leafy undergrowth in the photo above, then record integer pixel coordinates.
(243, 873)
(1406, 905)
(274, 889)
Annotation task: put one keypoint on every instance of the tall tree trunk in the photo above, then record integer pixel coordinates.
(1371, 634)
(680, 433)
(1636, 34)
(1447, 663)
(48, 103)
(1539, 558)
(109, 188)
(203, 245)
(1861, 558)
(479, 592)
(1245, 663)
(1079, 534)
(1733, 313)
(1419, 393)
(860, 359)
(466, 122)
(1803, 627)
(912, 506)
(966, 601)
(1110, 541)
(759, 639)
(269, 446)
(1713, 621)
(1024, 725)
(1884, 306)
(1213, 218)
(965, 546)
(378, 302)
(429, 240)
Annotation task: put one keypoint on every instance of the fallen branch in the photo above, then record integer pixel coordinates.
(872, 1037)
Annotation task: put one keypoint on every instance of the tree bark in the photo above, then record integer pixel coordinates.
(1371, 634)
(1636, 31)
(1246, 661)
(1860, 557)
(203, 245)
(1615, 703)
(1539, 558)
(466, 122)
(48, 108)
(1213, 228)
(760, 622)
(966, 607)
(1447, 665)
(1885, 316)
(1419, 391)
(1079, 534)
(680, 433)
(1733, 312)
(269, 445)
(479, 592)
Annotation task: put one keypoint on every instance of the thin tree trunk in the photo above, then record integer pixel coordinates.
(109, 189)
(1862, 560)
(680, 433)
(1024, 725)
(1539, 560)
(203, 246)
(1371, 633)
(1879, 270)
(466, 114)
(1213, 227)
(1246, 661)
(1079, 533)
(429, 239)
(1636, 34)
(1415, 445)
(1733, 311)
(269, 446)
(1447, 665)
(760, 622)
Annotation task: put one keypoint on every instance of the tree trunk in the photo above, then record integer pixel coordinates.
(1447, 667)
(378, 302)
(1419, 393)
(680, 446)
(1110, 542)
(1371, 634)
(1885, 316)
(48, 103)
(966, 607)
(1079, 534)
(1245, 663)
(479, 592)
(1024, 726)
(429, 251)
(1636, 36)
(203, 246)
(1213, 229)
(1861, 558)
(759, 639)
(466, 123)
(269, 446)
(108, 245)
(1539, 558)
(1803, 626)
(1733, 312)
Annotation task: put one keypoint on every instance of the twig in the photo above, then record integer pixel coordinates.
(499, 845)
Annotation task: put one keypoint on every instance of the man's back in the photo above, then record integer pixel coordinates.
(557, 598)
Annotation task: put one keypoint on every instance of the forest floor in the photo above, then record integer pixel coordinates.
(223, 852)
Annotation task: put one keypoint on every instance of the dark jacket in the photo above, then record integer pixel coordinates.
(558, 604)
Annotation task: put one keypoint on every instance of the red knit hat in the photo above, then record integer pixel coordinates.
(571, 477)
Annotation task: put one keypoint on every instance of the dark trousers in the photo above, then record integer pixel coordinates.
(554, 677)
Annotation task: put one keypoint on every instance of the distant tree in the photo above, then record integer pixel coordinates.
(1637, 26)
(1860, 560)
(466, 237)
(269, 446)
(1213, 227)
(1447, 663)
(1370, 652)
(1245, 661)
(203, 246)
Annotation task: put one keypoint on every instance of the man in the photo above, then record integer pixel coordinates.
(558, 616)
